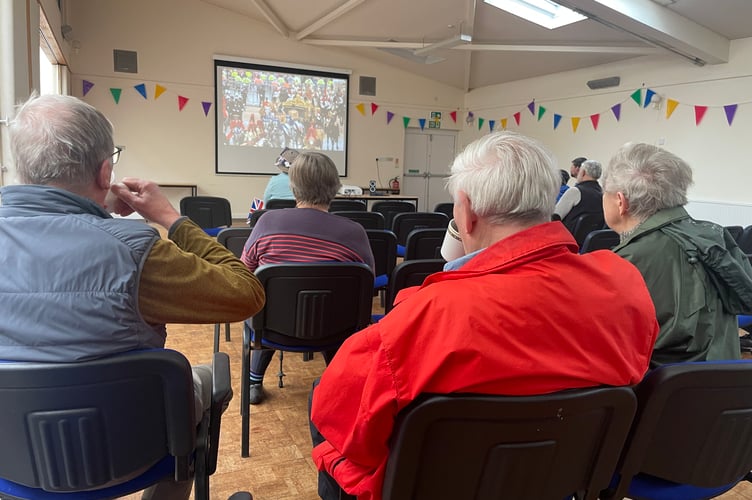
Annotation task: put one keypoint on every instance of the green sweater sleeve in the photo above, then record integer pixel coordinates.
(190, 278)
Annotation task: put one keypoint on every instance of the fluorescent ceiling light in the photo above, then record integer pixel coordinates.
(545, 13)
(445, 44)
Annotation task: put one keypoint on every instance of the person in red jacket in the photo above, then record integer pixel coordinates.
(521, 313)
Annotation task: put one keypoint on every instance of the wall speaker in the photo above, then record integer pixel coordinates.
(604, 83)
(126, 61)
(367, 86)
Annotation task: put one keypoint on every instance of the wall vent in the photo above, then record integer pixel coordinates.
(367, 86)
(126, 61)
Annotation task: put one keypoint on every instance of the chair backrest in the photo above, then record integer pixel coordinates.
(424, 243)
(255, 216)
(519, 447)
(384, 248)
(585, 224)
(94, 424)
(410, 273)
(693, 427)
(389, 208)
(276, 203)
(600, 239)
(348, 206)
(234, 238)
(369, 220)
(445, 208)
(207, 211)
(313, 304)
(403, 223)
(745, 240)
(735, 232)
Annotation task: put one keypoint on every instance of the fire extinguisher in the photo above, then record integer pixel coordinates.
(394, 183)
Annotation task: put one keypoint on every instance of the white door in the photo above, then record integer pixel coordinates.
(428, 156)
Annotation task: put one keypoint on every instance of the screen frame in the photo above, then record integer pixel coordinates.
(223, 61)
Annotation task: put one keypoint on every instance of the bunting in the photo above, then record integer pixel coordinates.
(575, 123)
(670, 107)
(87, 85)
(422, 123)
(374, 107)
(517, 118)
(594, 119)
(182, 101)
(730, 111)
(480, 123)
(491, 125)
(541, 112)
(531, 107)
(389, 116)
(616, 110)
(406, 120)
(158, 90)
(453, 114)
(557, 119)
(361, 108)
(116, 94)
(700, 113)
(504, 123)
(206, 106)
(648, 97)
(141, 89)
(637, 96)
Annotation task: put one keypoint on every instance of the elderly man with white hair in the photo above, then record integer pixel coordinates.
(584, 198)
(697, 276)
(494, 324)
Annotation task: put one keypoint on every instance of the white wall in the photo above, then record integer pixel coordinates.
(718, 153)
(175, 41)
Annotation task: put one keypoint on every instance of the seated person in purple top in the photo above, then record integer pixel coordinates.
(307, 233)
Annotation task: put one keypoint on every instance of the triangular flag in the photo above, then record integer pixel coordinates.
(116, 94)
(730, 111)
(531, 107)
(575, 123)
(422, 123)
(389, 116)
(504, 123)
(670, 107)
(541, 112)
(557, 119)
(453, 114)
(87, 86)
(594, 119)
(470, 117)
(405, 120)
(491, 125)
(374, 107)
(158, 90)
(616, 110)
(362, 108)
(648, 97)
(141, 88)
(699, 113)
(637, 96)
(480, 123)
(207, 106)
(182, 101)
(517, 118)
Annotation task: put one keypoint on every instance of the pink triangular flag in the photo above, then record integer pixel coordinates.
(594, 119)
(182, 101)
(699, 113)
(517, 118)
(374, 107)
(453, 114)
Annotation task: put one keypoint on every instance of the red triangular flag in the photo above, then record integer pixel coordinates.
(517, 118)
(699, 113)
(594, 120)
(374, 107)
(182, 101)
(453, 114)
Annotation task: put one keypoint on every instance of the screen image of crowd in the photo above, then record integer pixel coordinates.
(273, 109)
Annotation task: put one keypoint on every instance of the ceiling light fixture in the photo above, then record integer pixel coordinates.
(544, 13)
(444, 44)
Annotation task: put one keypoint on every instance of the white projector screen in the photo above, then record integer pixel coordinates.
(263, 107)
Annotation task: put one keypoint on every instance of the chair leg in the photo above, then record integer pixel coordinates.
(216, 337)
(227, 332)
(281, 374)
(245, 388)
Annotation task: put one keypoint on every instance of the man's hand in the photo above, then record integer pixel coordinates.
(145, 198)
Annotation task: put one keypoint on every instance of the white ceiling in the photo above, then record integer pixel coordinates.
(504, 47)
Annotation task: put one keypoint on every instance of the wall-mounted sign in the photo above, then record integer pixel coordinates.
(435, 121)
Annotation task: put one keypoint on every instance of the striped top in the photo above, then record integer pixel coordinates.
(305, 235)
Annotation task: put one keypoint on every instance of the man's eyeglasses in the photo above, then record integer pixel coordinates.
(116, 155)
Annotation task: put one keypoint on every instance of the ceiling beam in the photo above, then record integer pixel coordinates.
(272, 17)
(658, 26)
(328, 18)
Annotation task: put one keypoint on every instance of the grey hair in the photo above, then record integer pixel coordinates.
(650, 178)
(314, 178)
(592, 168)
(507, 177)
(57, 139)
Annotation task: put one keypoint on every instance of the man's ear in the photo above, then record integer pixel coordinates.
(622, 202)
(464, 212)
(104, 175)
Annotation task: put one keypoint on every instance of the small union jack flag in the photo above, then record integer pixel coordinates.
(256, 204)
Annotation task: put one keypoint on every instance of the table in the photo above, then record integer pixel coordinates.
(387, 197)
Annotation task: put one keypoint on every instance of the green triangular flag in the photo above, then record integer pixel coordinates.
(405, 120)
(637, 96)
(480, 123)
(116, 94)
(541, 112)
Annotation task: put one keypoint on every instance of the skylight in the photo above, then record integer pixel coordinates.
(545, 13)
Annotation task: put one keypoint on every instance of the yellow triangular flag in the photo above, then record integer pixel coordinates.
(670, 107)
(575, 123)
(504, 123)
(362, 108)
(158, 90)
